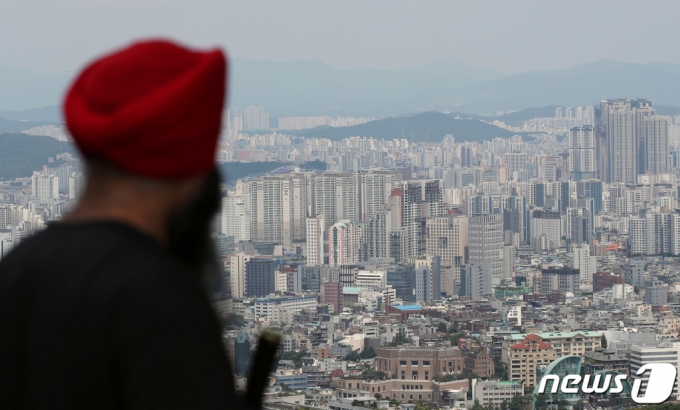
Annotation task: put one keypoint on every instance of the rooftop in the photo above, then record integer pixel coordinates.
(555, 335)
(408, 307)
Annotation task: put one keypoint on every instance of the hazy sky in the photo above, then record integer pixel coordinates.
(509, 36)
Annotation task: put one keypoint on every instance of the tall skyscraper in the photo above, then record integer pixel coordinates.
(582, 261)
(582, 153)
(336, 197)
(447, 237)
(278, 209)
(548, 224)
(486, 243)
(254, 118)
(637, 140)
(655, 128)
(422, 284)
(344, 243)
(375, 187)
(315, 240)
(235, 217)
(45, 186)
(238, 275)
(618, 119)
(476, 279)
(260, 277)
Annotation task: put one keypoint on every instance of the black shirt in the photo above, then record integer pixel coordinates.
(98, 316)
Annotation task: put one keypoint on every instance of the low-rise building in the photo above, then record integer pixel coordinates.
(602, 359)
(401, 390)
(479, 363)
(418, 363)
(495, 392)
(576, 343)
(525, 357)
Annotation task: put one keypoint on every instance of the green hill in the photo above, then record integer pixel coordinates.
(21, 154)
(429, 126)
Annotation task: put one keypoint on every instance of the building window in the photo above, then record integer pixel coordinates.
(427, 375)
(414, 375)
(414, 363)
(403, 375)
(402, 363)
(426, 363)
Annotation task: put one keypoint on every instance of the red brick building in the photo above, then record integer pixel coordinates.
(603, 280)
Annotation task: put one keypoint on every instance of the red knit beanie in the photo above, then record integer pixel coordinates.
(153, 109)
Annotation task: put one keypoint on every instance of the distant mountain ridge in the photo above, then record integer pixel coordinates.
(310, 87)
(425, 127)
(21, 154)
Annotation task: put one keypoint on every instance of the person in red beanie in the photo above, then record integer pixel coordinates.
(106, 310)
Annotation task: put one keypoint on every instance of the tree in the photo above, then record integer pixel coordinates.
(234, 320)
(353, 357)
(604, 341)
(377, 396)
(504, 405)
(368, 353)
(500, 371)
(540, 402)
(296, 357)
(442, 327)
(477, 406)
(562, 402)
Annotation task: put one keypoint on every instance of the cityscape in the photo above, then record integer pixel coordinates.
(433, 273)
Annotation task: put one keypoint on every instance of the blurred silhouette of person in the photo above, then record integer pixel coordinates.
(106, 309)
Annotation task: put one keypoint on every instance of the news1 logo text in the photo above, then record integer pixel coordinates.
(660, 384)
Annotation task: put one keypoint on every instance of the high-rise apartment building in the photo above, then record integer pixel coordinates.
(618, 119)
(636, 140)
(45, 186)
(486, 243)
(585, 263)
(238, 274)
(254, 118)
(235, 217)
(345, 243)
(656, 144)
(548, 224)
(278, 209)
(582, 163)
(76, 185)
(315, 241)
(422, 284)
(447, 237)
(375, 187)
(476, 279)
(336, 197)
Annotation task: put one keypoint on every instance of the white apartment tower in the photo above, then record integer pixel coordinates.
(279, 209)
(582, 153)
(336, 197)
(45, 187)
(315, 240)
(585, 263)
(486, 243)
(375, 186)
(344, 243)
(238, 275)
(235, 217)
